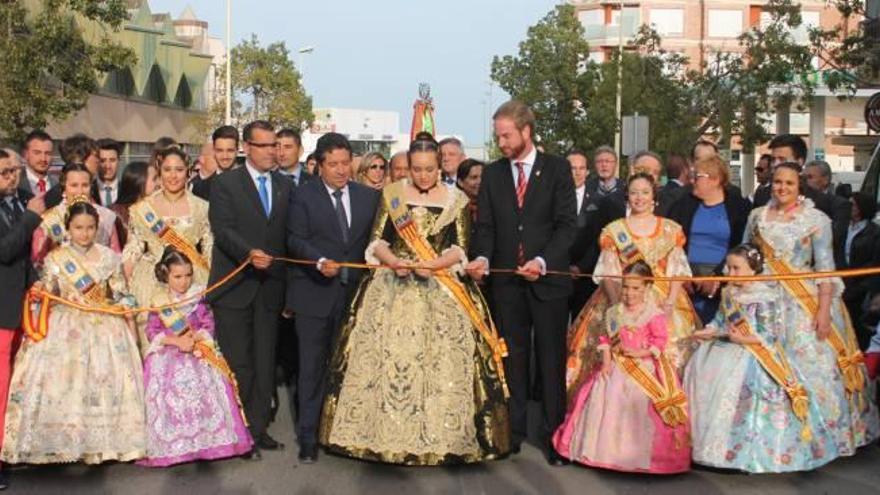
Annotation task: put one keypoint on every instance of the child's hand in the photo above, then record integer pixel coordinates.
(185, 342)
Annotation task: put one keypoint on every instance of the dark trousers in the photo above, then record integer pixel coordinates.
(516, 318)
(315, 336)
(287, 359)
(247, 338)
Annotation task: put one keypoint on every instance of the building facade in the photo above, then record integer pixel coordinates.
(164, 93)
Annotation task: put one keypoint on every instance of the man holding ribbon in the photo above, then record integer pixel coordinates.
(248, 214)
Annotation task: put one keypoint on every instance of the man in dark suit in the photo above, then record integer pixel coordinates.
(818, 176)
(248, 215)
(582, 287)
(78, 148)
(526, 222)
(330, 223)
(109, 151)
(287, 157)
(37, 156)
(17, 225)
(224, 140)
(677, 177)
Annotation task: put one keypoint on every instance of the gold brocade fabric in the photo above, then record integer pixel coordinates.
(411, 381)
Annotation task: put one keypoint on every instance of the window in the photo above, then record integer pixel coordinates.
(589, 18)
(668, 21)
(597, 57)
(725, 23)
(810, 19)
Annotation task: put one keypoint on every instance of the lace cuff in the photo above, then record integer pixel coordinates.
(457, 268)
(156, 344)
(608, 264)
(370, 253)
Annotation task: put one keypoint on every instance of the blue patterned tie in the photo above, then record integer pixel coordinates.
(264, 194)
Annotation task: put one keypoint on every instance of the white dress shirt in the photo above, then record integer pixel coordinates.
(346, 201)
(33, 178)
(528, 162)
(579, 194)
(255, 175)
(114, 191)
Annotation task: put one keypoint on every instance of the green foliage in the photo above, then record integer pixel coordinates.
(49, 67)
(265, 85)
(850, 54)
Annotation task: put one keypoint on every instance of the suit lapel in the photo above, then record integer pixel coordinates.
(534, 178)
(249, 188)
(276, 193)
(507, 183)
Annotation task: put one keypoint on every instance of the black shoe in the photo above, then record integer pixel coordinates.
(308, 453)
(4, 480)
(253, 455)
(266, 442)
(556, 460)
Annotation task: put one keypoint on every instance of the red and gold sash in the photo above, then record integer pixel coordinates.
(774, 362)
(144, 213)
(408, 231)
(661, 388)
(849, 357)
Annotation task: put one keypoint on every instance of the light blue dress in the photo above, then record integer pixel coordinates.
(805, 242)
(741, 418)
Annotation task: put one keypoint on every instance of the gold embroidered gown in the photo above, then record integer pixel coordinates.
(144, 249)
(412, 381)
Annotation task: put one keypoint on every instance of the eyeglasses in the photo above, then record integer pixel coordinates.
(262, 145)
(9, 172)
(377, 166)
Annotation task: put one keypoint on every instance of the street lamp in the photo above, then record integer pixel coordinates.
(228, 117)
(302, 60)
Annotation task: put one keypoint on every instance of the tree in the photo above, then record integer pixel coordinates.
(849, 53)
(265, 85)
(48, 67)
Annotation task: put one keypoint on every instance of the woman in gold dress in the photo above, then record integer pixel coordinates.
(170, 216)
(416, 376)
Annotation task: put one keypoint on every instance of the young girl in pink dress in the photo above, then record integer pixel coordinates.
(630, 414)
(192, 405)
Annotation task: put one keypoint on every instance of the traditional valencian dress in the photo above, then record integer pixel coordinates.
(749, 408)
(192, 402)
(53, 233)
(149, 234)
(634, 419)
(832, 369)
(416, 375)
(663, 252)
(76, 392)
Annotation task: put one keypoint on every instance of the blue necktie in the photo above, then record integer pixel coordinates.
(264, 194)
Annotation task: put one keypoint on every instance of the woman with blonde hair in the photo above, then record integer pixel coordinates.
(371, 170)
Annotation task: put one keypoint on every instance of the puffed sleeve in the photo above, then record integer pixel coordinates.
(135, 246)
(206, 241)
(155, 331)
(204, 321)
(823, 251)
(657, 334)
(382, 233)
(676, 261)
(748, 234)
(609, 260)
(50, 276)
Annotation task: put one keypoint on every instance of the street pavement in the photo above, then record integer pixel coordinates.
(526, 473)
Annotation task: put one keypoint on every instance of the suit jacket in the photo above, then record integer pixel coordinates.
(202, 187)
(304, 177)
(55, 195)
(240, 225)
(25, 184)
(16, 271)
(545, 226)
(313, 233)
(864, 252)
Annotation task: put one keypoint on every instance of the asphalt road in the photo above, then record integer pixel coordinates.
(526, 473)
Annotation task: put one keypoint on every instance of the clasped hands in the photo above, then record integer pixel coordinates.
(403, 268)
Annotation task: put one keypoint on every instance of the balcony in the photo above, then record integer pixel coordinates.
(603, 34)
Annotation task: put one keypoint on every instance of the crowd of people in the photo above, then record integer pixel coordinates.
(414, 304)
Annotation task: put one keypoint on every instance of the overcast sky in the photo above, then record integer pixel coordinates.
(373, 54)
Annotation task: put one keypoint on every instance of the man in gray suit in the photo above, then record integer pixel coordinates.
(37, 156)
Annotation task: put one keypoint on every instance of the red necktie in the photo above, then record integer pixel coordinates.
(521, 185)
(41, 185)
